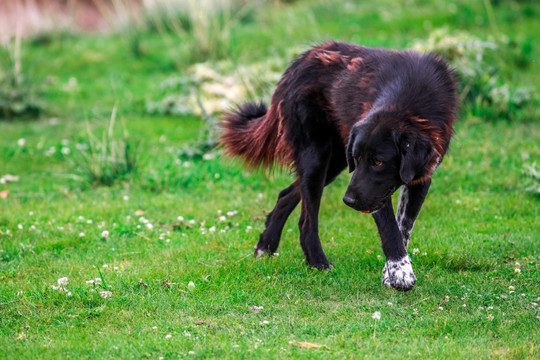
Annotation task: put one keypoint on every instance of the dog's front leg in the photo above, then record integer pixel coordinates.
(398, 271)
(410, 202)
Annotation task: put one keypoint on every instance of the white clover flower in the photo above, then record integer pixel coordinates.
(222, 218)
(31, 228)
(65, 150)
(255, 307)
(105, 234)
(390, 304)
(62, 281)
(21, 142)
(517, 265)
(376, 315)
(191, 352)
(168, 336)
(20, 227)
(180, 218)
(192, 222)
(416, 251)
(154, 327)
(81, 234)
(232, 213)
(89, 221)
(517, 271)
(265, 322)
(415, 311)
(441, 308)
(511, 288)
(447, 298)
(105, 294)
(125, 197)
(212, 229)
(191, 285)
(150, 226)
(248, 228)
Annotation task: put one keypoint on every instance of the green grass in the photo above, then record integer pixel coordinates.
(478, 220)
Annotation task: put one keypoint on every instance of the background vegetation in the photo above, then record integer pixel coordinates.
(125, 234)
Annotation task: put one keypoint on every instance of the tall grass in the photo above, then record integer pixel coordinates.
(109, 158)
(20, 94)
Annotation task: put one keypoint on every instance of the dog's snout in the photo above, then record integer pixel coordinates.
(348, 201)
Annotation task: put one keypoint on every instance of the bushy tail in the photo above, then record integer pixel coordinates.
(256, 135)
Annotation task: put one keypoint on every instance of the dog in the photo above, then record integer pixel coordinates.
(388, 115)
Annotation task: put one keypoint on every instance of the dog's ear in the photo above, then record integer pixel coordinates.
(356, 136)
(350, 145)
(416, 152)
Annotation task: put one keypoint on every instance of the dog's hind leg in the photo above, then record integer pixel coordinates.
(410, 202)
(313, 165)
(275, 221)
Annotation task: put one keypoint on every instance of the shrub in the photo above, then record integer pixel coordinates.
(532, 178)
(214, 88)
(483, 89)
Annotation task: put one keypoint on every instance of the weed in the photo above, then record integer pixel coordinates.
(20, 94)
(103, 161)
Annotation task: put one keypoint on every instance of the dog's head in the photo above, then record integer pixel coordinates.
(384, 154)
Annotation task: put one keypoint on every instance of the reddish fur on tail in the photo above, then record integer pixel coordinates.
(256, 135)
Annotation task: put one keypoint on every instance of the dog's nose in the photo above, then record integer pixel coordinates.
(348, 201)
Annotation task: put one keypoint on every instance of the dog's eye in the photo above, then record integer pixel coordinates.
(377, 162)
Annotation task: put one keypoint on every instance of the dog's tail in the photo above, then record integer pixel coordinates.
(256, 134)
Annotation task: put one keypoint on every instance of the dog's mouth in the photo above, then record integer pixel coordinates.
(356, 206)
(371, 211)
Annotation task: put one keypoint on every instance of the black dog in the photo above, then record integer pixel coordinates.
(387, 114)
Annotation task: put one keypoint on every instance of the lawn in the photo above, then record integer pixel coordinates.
(159, 263)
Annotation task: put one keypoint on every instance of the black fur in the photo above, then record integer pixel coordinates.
(387, 114)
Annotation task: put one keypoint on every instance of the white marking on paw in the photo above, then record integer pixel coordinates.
(399, 274)
(259, 253)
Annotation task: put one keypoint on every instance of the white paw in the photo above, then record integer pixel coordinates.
(399, 274)
(259, 253)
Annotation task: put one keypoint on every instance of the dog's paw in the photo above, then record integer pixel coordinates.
(261, 253)
(399, 274)
(323, 266)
